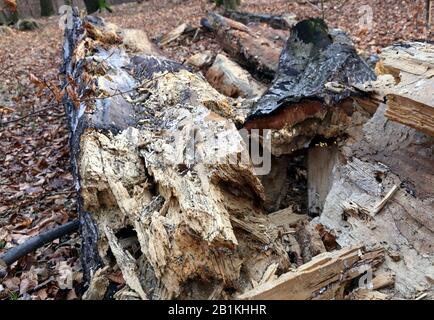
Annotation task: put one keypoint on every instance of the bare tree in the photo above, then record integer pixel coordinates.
(428, 15)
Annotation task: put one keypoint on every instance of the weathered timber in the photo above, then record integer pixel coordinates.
(258, 54)
(309, 239)
(201, 60)
(325, 277)
(285, 21)
(320, 164)
(411, 100)
(232, 80)
(385, 155)
(157, 160)
(175, 34)
(313, 91)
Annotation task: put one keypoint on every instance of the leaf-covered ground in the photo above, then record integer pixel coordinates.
(36, 191)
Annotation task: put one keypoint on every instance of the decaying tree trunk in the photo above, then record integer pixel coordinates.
(258, 54)
(314, 88)
(168, 194)
(325, 277)
(232, 80)
(388, 156)
(381, 189)
(156, 200)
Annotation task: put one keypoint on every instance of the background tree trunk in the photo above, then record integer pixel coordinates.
(47, 8)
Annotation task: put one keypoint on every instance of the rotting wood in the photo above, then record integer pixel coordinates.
(365, 294)
(232, 80)
(410, 112)
(286, 218)
(313, 280)
(320, 163)
(175, 34)
(410, 100)
(314, 88)
(383, 280)
(380, 159)
(201, 60)
(138, 172)
(257, 54)
(310, 240)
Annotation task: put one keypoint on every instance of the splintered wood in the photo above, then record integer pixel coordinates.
(411, 100)
(327, 275)
(186, 209)
(169, 197)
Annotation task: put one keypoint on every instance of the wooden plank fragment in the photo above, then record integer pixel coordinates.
(412, 113)
(313, 280)
(411, 100)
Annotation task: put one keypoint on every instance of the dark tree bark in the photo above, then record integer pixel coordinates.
(47, 8)
(316, 68)
(317, 75)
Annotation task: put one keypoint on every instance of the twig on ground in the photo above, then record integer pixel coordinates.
(12, 255)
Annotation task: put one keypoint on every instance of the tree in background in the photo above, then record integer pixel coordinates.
(228, 4)
(95, 5)
(47, 8)
(428, 13)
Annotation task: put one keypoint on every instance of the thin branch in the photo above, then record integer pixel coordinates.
(36, 242)
(31, 114)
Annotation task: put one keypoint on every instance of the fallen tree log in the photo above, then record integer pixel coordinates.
(314, 90)
(158, 162)
(258, 54)
(285, 21)
(175, 34)
(232, 80)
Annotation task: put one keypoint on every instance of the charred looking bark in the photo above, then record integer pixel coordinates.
(318, 69)
(108, 116)
(89, 255)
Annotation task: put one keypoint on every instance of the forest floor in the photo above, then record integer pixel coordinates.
(36, 191)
